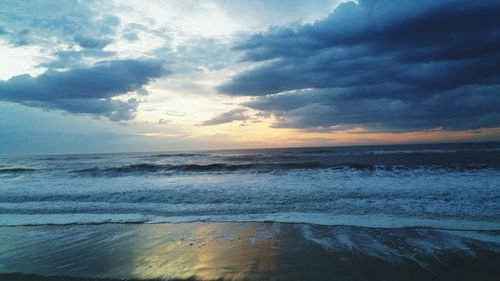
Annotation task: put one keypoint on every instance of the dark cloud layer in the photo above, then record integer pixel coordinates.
(385, 65)
(88, 90)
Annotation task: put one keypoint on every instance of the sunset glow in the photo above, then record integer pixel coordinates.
(228, 74)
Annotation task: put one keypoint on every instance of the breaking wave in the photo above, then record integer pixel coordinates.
(15, 170)
(151, 168)
(286, 185)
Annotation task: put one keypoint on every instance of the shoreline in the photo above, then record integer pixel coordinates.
(244, 251)
(319, 219)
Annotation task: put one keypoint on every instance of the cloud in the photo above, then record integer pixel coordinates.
(52, 22)
(71, 59)
(227, 117)
(164, 121)
(468, 107)
(88, 90)
(385, 65)
(92, 42)
(131, 36)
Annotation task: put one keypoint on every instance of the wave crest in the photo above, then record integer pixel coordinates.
(216, 167)
(15, 170)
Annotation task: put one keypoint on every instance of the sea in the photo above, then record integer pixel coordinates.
(445, 186)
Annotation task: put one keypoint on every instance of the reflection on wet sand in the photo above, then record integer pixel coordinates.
(246, 251)
(207, 251)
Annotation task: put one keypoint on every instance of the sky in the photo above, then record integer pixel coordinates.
(114, 76)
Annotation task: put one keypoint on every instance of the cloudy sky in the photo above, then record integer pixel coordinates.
(105, 76)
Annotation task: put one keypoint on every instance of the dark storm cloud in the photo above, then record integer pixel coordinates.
(386, 65)
(227, 117)
(468, 107)
(88, 90)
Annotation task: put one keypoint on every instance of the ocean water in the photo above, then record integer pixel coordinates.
(450, 186)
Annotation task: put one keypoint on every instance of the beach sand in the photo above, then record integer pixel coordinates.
(245, 251)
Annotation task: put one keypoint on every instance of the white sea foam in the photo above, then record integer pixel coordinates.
(371, 221)
(417, 245)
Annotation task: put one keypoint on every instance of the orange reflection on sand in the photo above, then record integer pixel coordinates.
(207, 251)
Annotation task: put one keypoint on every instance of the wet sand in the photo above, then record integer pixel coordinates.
(245, 251)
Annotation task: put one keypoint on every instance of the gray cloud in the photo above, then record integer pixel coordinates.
(69, 22)
(470, 107)
(385, 65)
(87, 90)
(92, 42)
(227, 117)
(72, 59)
(131, 36)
